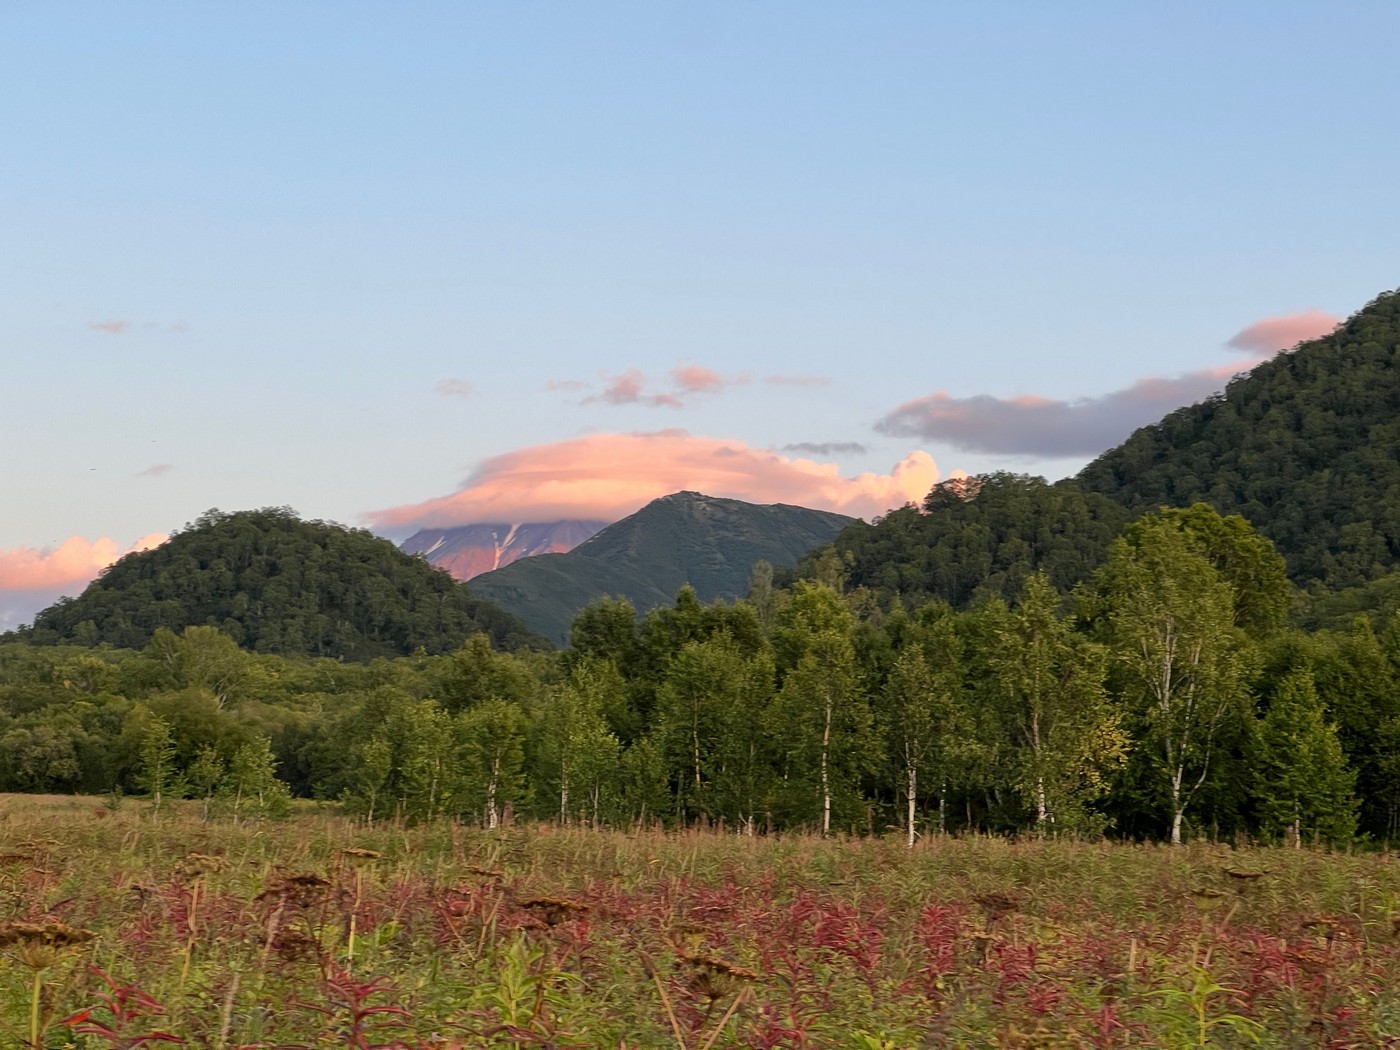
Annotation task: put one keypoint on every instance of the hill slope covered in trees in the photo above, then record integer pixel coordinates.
(277, 584)
(686, 538)
(1306, 447)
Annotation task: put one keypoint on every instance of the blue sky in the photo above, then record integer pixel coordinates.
(411, 262)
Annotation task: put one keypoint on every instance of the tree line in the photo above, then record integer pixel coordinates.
(1165, 697)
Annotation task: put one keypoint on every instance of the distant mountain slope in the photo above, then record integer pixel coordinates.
(470, 550)
(278, 584)
(1306, 446)
(685, 538)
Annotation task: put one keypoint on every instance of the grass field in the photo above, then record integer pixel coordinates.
(319, 933)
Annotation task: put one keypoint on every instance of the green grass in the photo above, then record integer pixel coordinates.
(538, 936)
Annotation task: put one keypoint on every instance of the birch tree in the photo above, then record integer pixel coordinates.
(1183, 662)
(1054, 708)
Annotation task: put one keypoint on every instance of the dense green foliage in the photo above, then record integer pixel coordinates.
(1166, 701)
(1306, 447)
(974, 539)
(277, 584)
(685, 539)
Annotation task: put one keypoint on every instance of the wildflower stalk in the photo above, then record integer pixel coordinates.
(35, 994)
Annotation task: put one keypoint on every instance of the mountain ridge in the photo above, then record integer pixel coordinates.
(684, 538)
(468, 551)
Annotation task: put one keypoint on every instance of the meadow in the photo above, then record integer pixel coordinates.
(122, 930)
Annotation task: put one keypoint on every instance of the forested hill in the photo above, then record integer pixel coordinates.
(1306, 447)
(685, 538)
(278, 584)
(975, 538)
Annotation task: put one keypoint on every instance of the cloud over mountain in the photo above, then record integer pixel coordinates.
(1272, 334)
(1030, 425)
(75, 561)
(608, 476)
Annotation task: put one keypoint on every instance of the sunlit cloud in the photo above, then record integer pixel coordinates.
(608, 476)
(633, 387)
(629, 388)
(1047, 427)
(156, 471)
(1283, 333)
(111, 327)
(827, 448)
(695, 379)
(73, 562)
(454, 388)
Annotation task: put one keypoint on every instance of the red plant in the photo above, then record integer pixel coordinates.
(353, 1017)
(130, 1008)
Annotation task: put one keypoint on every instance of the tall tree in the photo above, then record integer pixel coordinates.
(1302, 781)
(576, 753)
(828, 728)
(1055, 709)
(921, 709)
(491, 751)
(1182, 662)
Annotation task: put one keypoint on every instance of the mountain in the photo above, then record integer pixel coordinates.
(278, 584)
(470, 550)
(1306, 447)
(686, 538)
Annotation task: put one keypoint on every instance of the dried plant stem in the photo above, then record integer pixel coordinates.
(189, 941)
(724, 1021)
(354, 914)
(35, 995)
(666, 1002)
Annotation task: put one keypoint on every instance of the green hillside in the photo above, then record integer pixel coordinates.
(978, 538)
(277, 584)
(685, 538)
(1306, 447)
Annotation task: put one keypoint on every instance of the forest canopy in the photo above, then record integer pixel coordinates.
(276, 584)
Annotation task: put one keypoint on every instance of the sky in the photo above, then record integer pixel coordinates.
(419, 264)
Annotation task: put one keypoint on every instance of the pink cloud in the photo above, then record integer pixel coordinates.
(632, 386)
(73, 562)
(454, 388)
(157, 470)
(608, 476)
(698, 380)
(111, 327)
(1283, 333)
(1039, 426)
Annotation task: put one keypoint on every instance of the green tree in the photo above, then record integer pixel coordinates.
(205, 775)
(1182, 662)
(1055, 709)
(427, 767)
(491, 750)
(922, 708)
(577, 755)
(157, 772)
(252, 781)
(827, 726)
(1302, 781)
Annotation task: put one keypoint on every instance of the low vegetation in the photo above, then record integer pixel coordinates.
(125, 929)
